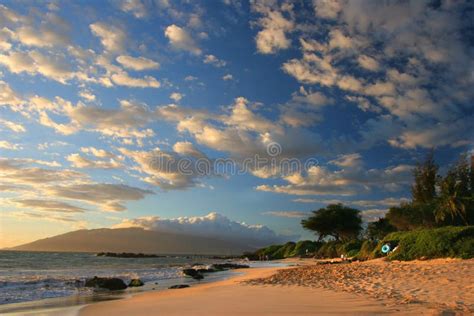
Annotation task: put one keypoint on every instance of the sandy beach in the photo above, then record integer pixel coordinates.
(436, 287)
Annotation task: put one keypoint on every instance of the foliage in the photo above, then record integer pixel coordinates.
(379, 229)
(341, 222)
(410, 216)
(425, 174)
(443, 242)
(366, 249)
(454, 203)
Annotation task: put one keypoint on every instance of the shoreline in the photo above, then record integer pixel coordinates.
(235, 297)
(305, 287)
(68, 304)
(312, 288)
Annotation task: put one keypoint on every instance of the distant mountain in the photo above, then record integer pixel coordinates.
(139, 240)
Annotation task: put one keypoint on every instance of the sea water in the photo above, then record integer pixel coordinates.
(30, 276)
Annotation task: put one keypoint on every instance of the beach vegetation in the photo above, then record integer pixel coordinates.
(335, 220)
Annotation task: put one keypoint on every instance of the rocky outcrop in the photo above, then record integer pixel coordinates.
(197, 274)
(178, 286)
(194, 273)
(135, 283)
(106, 283)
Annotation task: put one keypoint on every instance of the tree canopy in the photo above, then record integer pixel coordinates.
(336, 220)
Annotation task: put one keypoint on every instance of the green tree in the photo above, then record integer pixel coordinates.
(455, 199)
(336, 220)
(409, 216)
(379, 229)
(426, 175)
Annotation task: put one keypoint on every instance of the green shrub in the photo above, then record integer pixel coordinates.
(283, 251)
(443, 242)
(302, 246)
(366, 249)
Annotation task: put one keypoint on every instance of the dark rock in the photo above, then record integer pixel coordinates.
(195, 274)
(227, 266)
(106, 283)
(136, 282)
(178, 286)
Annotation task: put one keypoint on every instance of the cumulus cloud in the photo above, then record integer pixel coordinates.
(34, 62)
(135, 7)
(87, 95)
(227, 77)
(211, 225)
(8, 97)
(187, 149)
(111, 37)
(272, 37)
(10, 146)
(351, 179)
(304, 108)
(414, 92)
(15, 127)
(78, 161)
(213, 60)
(179, 38)
(176, 96)
(123, 79)
(137, 63)
(166, 169)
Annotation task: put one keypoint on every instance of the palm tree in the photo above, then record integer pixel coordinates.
(451, 201)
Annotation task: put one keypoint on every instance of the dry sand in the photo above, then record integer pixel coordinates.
(437, 287)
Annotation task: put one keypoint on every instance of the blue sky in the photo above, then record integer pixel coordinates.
(92, 92)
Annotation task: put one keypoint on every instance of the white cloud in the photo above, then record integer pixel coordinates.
(45, 36)
(48, 206)
(111, 37)
(87, 95)
(180, 39)
(213, 60)
(137, 63)
(109, 197)
(272, 37)
(368, 63)
(212, 225)
(123, 79)
(353, 178)
(165, 169)
(100, 153)
(304, 108)
(135, 7)
(16, 127)
(78, 161)
(176, 96)
(187, 149)
(190, 78)
(7, 145)
(348, 160)
(53, 67)
(328, 9)
(8, 97)
(227, 77)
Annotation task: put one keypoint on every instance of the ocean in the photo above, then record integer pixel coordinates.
(32, 276)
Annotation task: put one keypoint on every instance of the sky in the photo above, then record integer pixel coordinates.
(224, 115)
